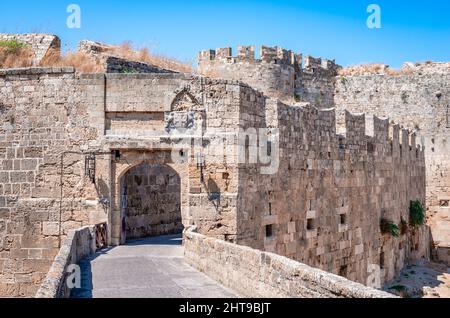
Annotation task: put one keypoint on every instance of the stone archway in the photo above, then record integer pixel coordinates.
(128, 170)
(151, 201)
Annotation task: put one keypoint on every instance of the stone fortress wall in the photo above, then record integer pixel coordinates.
(324, 205)
(420, 100)
(52, 118)
(321, 206)
(417, 97)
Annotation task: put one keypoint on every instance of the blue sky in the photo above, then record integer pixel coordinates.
(411, 30)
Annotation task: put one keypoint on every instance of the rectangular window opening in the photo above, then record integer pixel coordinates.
(310, 224)
(269, 149)
(269, 230)
(343, 271)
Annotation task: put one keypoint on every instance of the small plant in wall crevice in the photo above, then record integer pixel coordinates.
(416, 213)
(389, 227)
(404, 97)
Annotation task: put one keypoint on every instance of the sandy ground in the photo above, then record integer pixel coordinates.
(422, 279)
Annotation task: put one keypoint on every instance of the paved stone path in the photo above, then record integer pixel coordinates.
(149, 268)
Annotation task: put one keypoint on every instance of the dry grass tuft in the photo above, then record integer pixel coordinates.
(82, 62)
(364, 69)
(126, 51)
(371, 69)
(14, 54)
(211, 74)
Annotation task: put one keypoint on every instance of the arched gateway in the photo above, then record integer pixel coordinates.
(151, 201)
(150, 195)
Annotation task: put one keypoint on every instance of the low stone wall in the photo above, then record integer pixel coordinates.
(254, 273)
(77, 245)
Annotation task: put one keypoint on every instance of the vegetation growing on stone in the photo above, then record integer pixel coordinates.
(389, 227)
(417, 213)
(14, 54)
(12, 46)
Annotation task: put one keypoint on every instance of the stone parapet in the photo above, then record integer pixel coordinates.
(77, 245)
(257, 274)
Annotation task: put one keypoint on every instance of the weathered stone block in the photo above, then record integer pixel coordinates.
(50, 228)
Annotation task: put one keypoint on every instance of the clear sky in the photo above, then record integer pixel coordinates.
(411, 30)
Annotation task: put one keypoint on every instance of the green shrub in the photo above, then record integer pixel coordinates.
(128, 70)
(416, 213)
(389, 227)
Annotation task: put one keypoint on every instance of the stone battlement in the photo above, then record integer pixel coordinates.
(278, 72)
(351, 128)
(275, 55)
(270, 55)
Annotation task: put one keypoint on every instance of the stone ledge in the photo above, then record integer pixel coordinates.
(37, 71)
(119, 76)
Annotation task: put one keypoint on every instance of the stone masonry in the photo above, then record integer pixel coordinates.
(420, 100)
(274, 169)
(278, 72)
(417, 97)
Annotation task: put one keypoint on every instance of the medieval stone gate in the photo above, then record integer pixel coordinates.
(149, 195)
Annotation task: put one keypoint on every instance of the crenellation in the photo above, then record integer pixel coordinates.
(285, 57)
(381, 129)
(327, 118)
(405, 142)
(269, 54)
(355, 125)
(313, 62)
(412, 140)
(245, 54)
(207, 55)
(224, 53)
(279, 73)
